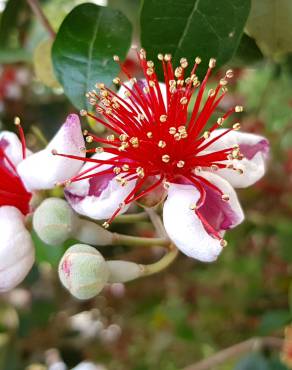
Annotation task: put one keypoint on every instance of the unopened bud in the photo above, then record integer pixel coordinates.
(54, 221)
(123, 271)
(83, 271)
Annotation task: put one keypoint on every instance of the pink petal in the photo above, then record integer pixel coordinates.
(184, 227)
(100, 196)
(255, 149)
(42, 170)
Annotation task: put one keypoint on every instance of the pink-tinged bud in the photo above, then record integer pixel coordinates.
(16, 248)
(83, 271)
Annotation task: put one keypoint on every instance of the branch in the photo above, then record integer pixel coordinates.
(38, 12)
(236, 350)
(156, 221)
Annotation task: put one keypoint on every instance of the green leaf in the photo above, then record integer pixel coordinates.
(9, 20)
(273, 320)
(247, 52)
(269, 24)
(195, 28)
(253, 362)
(84, 47)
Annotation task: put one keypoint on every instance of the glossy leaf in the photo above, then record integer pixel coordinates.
(84, 47)
(193, 28)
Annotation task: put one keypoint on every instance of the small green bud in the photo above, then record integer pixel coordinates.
(123, 271)
(54, 220)
(83, 271)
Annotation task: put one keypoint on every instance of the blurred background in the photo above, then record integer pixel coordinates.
(191, 310)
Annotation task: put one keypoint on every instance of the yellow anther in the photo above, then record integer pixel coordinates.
(225, 197)
(83, 112)
(110, 138)
(183, 100)
(206, 135)
(165, 158)
(99, 150)
(236, 126)
(212, 63)
(198, 60)
(117, 170)
(229, 73)
(223, 243)
(123, 137)
(163, 118)
(238, 108)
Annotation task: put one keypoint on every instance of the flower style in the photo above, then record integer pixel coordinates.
(21, 173)
(159, 147)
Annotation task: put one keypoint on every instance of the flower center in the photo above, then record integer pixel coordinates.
(160, 132)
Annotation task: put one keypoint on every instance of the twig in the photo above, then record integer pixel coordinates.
(38, 12)
(157, 223)
(249, 345)
(131, 217)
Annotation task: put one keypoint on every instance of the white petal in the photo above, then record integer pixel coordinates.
(222, 215)
(185, 228)
(16, 248)
(42, 170)
(100, 196)
(11, 144)
(255, 149)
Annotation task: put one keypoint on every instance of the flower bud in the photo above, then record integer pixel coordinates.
(53, 221)
(83, 271)
(123, 271)
(16, 248)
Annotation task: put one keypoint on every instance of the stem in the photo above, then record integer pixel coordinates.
(253, 344)
(39, 135)
(157, 223)
(89, 232)
(38, 12)
(163, 263)
(134, 217)
(138, 241)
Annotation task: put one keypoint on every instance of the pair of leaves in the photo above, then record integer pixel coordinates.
(90, 35)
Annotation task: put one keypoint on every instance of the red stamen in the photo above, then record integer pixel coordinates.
(154, 137)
